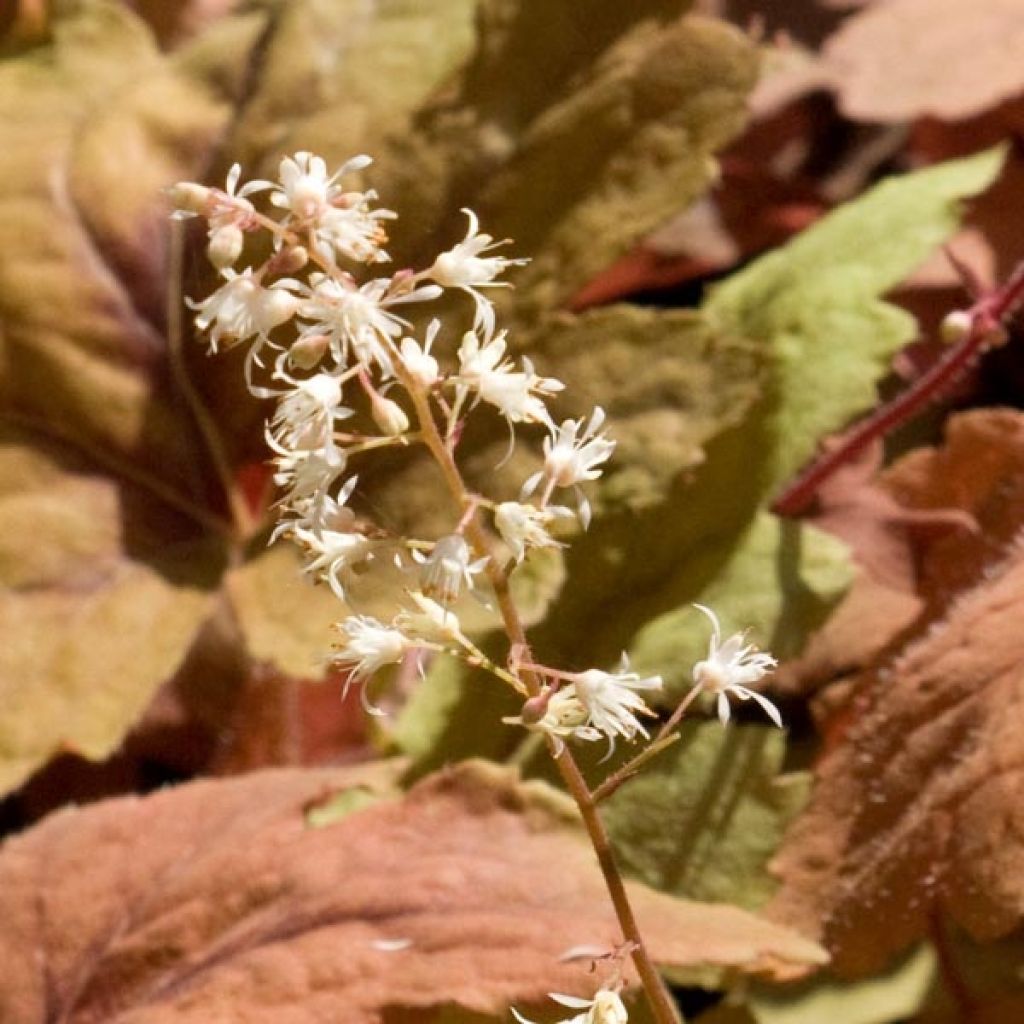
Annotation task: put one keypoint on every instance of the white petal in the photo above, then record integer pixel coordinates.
(573, 1002)
(723, 708)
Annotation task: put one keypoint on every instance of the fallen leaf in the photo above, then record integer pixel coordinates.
(906, 59)
(217, 899)
(916, 806)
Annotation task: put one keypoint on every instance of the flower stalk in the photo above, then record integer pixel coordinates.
(316, 337)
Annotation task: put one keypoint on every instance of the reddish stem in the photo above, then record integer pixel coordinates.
(987, 316)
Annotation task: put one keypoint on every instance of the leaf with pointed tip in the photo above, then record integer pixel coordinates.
(816, 302)
(219, 898)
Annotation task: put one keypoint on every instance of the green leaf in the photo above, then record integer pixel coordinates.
(896, 994)
(336, 75)
(817, 301)
(777, 579)
(575, 129)
(703, 818)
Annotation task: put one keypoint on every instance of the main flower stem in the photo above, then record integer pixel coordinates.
(660, 1000)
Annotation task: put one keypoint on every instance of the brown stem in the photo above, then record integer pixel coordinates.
(987, 316)
(662, 1005)
(244, 522)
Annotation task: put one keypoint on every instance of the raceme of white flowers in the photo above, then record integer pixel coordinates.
(332, 341)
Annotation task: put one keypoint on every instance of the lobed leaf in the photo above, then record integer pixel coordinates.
(917, 805)
(220, 898)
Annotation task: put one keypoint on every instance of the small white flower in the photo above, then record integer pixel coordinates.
(560, 714)
(354, 230)
(368, 645)
(729, 669)
(572, 458)
(333, 554)
(421, 365)
(605, 1008)
(358, 318)
(432, 623)
(464, 266)
(612, 701)
(307, 475)
(242, 308)
(526, 526)
(593, 705)
(306, 190)
(447, 568)
(305, 416)
(484, 369)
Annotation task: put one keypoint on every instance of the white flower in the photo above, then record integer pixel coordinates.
(306, 190)
(307, 475)
(612, 702)
(221, 207)
(334, 553)
(432, 623)
(368, 645)
(305, 416)
(526, 526)
(484, 369)
(605, 1008)
(572, 458)
(358, 318)
(464, 266)
(420, 364)
(593, 705)
(354, 230)
(560, 714)
(729, 669)
(242, 308)
(447, 568)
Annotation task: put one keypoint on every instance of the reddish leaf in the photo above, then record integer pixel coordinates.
(218, 901)
(918, 806)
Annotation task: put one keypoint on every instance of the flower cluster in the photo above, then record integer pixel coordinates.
(355, 364)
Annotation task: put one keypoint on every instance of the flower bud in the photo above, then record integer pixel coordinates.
(188, 196)
(288, 261)
(276, 307)
(535, 709)
(956, 326)
(225, 246)
(308, 351)
(388, 415)
(422, 366)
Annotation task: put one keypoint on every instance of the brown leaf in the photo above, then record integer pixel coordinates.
(917, 808)
(905, 59)
(216, 900)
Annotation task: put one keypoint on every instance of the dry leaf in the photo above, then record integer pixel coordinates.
(917, 808)
(217, 901)
(905, 59)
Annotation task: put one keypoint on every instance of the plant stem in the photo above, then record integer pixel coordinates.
(244, 522)
(661, 1003)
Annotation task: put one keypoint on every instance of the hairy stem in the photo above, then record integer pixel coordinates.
(660, 1000)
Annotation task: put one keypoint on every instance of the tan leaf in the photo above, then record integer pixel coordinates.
(906, 59)
(90, 630)
(218, 900)
(917, 808)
